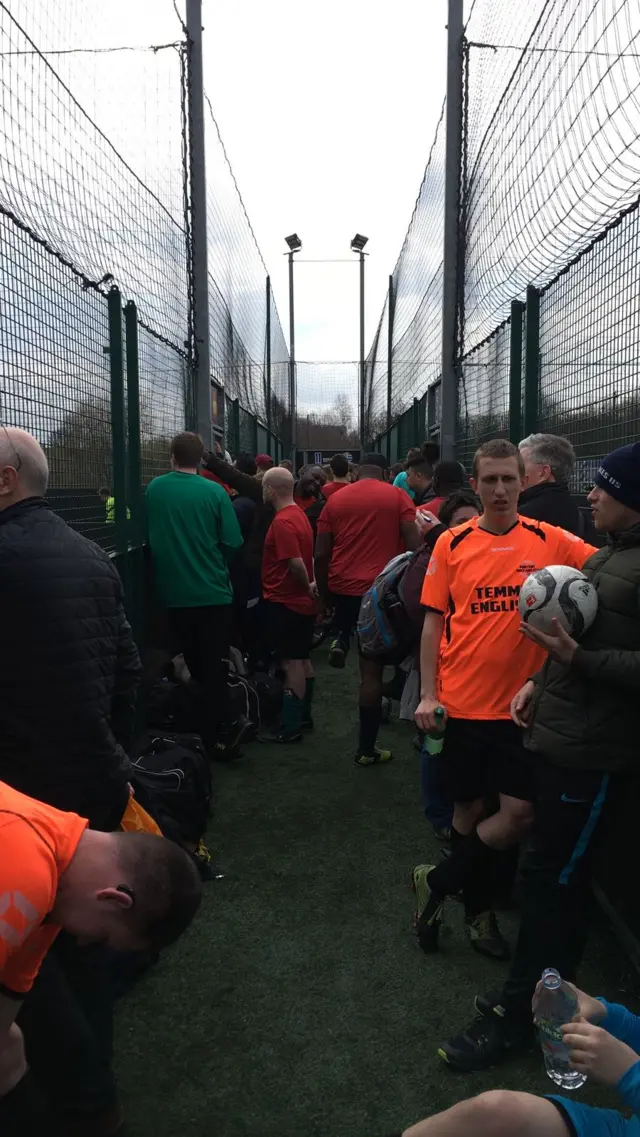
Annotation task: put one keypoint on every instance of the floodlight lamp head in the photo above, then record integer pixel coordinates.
(358, 243)
(294, 242)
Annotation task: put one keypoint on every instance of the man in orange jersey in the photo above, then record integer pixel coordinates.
(130, 891)
(473, 658)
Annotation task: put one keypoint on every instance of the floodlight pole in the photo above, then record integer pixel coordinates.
(451, 251)
(362, 353)
(292, 362)
(198, 186)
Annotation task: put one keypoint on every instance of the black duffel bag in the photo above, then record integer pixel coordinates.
(172, 780)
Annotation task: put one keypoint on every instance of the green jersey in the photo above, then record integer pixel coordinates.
(192, 527)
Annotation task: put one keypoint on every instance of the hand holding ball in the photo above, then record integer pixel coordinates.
(562, 593)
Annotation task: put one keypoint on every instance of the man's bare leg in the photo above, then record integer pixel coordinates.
(498, 1113)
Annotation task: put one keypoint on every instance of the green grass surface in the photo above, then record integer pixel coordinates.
(300, 1005)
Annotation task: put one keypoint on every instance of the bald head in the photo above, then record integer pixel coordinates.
(24, 471)
(277, 487)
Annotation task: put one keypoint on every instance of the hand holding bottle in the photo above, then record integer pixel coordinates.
(589, 1009)
(596, 1053)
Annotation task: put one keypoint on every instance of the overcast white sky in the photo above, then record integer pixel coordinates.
(328, 112)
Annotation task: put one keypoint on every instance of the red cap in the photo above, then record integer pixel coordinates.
(264, 461)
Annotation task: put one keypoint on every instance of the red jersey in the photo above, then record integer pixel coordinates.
(364, 520)
(432, 506)
(303, 502)
(289, 536)
(214, 478)
(332, 487)
(474, 579)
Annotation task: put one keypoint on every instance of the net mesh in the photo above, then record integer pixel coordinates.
(327, 405)
(63, 178)
(559, 157)
(55, 379)
(550, 179)
(416, 304)
(589, 336)
(94, 184)
(238, 302)
(165, 403)
(483, 395)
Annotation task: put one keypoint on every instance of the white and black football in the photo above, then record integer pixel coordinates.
(561, 592)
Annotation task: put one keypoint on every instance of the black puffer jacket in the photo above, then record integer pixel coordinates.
(68, 667)
(586, 716)
(552, 502)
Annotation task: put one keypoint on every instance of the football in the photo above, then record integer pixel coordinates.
(561, 592)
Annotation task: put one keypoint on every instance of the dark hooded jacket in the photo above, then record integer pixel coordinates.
(586, 715)
(247, 567)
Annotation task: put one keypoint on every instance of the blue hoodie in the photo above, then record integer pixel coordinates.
(623, 1025)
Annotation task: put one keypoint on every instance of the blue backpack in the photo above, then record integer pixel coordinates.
(385, 631)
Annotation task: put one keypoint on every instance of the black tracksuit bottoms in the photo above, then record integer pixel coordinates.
(557, 901)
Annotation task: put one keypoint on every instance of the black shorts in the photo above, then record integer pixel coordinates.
(482, 757)
(347, 611)
(288, 634)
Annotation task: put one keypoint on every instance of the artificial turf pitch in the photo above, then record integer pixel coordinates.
(299, 1004)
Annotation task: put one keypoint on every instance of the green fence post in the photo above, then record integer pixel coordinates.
(236, 428)
(135, 498)
(515, 372)
(118, 440)
(532, 361)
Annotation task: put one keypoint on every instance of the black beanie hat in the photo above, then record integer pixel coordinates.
(619, 475)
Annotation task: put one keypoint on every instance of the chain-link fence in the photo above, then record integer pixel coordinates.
(483, 394)
(94, 194)
(549, 181)
(327, 406)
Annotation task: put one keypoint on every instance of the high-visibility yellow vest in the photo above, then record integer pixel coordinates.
(110, 510)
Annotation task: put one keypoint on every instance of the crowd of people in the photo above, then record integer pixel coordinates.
(257, 559)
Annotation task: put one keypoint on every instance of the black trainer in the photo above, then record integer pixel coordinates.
(484, 1004)
(485, 936)
(337, 654)
(307, 723)
(489, 1041)
(279, 735)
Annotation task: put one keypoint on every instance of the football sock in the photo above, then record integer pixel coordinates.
(469, 857)
(456, 837)
(480, 886)
(507, 870)
(369, 726)
(291, 712)
(308, 699)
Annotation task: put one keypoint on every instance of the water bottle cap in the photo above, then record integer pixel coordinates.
(551, 978)
(439, 712)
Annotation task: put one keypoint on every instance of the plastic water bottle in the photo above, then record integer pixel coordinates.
(556, 1006)
(434, 738)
